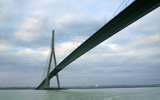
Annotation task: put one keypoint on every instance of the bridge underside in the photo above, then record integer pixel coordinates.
(136, 10)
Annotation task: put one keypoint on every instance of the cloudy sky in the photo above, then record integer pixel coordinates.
(130, 57)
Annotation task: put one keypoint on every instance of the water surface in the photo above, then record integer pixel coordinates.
(148, 93)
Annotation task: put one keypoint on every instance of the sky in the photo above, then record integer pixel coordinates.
(130, 57)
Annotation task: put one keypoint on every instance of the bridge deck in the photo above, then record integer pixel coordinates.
(136, 10)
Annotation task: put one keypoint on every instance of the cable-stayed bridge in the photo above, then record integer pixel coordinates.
(130, 14)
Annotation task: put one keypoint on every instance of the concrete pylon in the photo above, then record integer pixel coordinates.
(47, 83)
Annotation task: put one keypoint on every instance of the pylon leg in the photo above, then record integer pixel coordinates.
(55, 63)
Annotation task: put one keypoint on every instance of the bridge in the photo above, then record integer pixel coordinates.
(130, 14)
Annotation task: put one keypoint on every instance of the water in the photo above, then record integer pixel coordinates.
(149, 93)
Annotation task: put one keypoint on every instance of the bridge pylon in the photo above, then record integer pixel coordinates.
(46, 83)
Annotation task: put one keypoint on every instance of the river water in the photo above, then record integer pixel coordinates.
(147, 93)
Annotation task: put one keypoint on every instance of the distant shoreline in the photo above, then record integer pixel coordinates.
(114, 87)
(66, 88)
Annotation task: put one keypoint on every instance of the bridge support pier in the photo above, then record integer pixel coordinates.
(47, 84)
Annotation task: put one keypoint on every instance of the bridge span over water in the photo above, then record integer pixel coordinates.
(133, 12)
